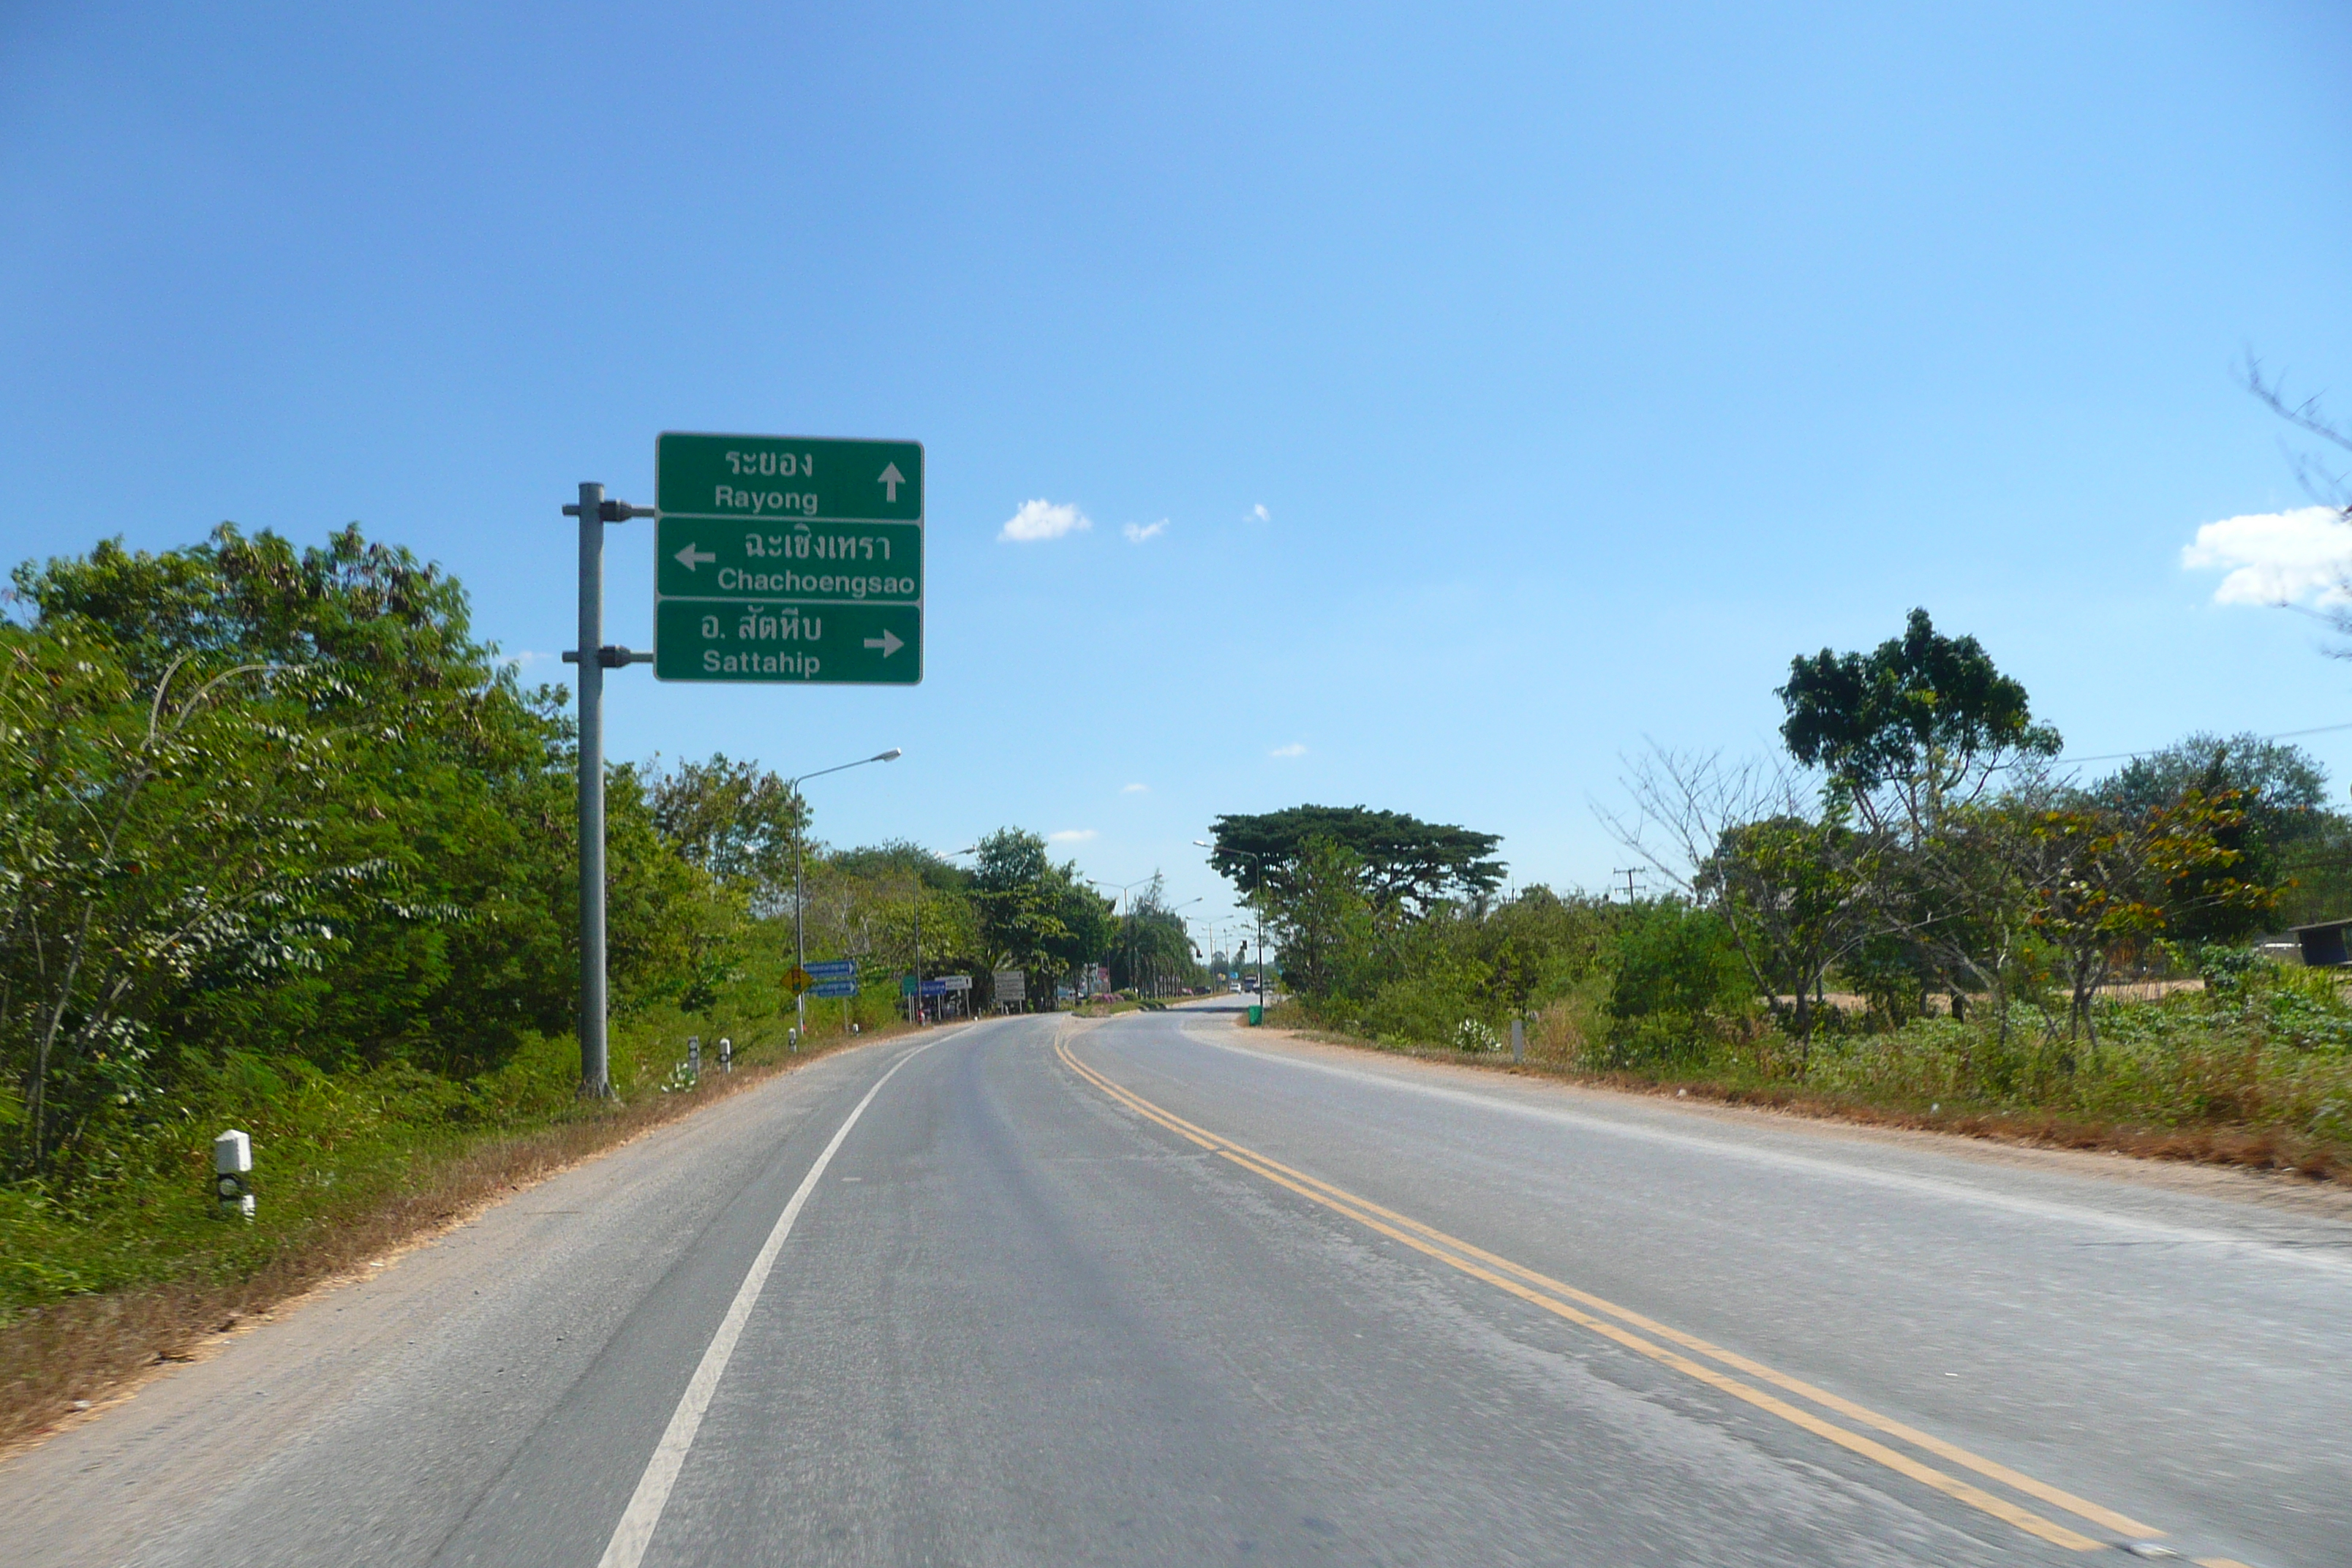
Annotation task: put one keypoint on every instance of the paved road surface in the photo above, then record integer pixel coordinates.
(1160, 1291)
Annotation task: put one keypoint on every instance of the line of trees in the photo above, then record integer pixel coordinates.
(1916, 848)
(268, 811)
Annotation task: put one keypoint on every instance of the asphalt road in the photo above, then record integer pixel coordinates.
(1162, 1291)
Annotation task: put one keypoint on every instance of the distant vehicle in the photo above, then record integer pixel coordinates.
(1249, 983)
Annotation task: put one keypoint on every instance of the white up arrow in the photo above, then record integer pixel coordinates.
(689, 557)
(890, 482)
(886, 642)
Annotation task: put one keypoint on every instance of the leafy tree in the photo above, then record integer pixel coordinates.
(2105, 877)
(158, 841)
(1913, 738)
(1033, 914)
(1323, 923)
(363, 824)
(1536, 945)
(1798, 888)
(1677, 974)
(734, 820)
(1923, 718)
(2277, 828)
(1403, 862)
(1796, 897)
(1150, 944)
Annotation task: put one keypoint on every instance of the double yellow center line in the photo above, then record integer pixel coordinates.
(1590, 1311)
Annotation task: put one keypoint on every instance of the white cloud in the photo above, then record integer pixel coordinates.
(1042, 519)
(1295, 749)
(1137, 532)
(1072, 835)
(1136, 789)
(1259, 512)
(2275, 557)
(523, 662)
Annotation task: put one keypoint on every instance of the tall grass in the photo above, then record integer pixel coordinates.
(2256, 1072)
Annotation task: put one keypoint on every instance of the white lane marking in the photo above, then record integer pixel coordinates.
(635, 1530)
(1931, 1187)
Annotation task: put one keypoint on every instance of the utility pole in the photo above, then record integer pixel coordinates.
(594, 659)
(1628, 872)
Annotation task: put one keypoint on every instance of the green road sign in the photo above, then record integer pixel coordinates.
(866, 645)
(811, 563)
(767, 477)
(782, 559)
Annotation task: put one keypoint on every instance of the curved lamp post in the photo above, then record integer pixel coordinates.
(1257, 908)
(800, 935)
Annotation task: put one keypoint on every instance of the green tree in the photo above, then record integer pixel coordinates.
(1403, 862)
(1796, 897)
(2279, 830)
(1921, 722)
(1324, 924)
(735, 820)
(1677, 976)
(1914, 737)
(158, 840)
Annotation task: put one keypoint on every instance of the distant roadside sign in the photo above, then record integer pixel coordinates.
(788, 560)
(1008, 985)
(797, 980)
(836, 978)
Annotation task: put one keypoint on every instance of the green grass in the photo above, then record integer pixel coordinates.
(334, 1148)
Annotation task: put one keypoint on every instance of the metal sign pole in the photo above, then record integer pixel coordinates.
(595, 1081)
(594, 659)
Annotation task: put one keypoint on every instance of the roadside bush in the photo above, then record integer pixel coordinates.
(1676, 969)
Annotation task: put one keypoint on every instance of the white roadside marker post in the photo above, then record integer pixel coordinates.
(726, 1054)
(233, 1172)
(694, 1058)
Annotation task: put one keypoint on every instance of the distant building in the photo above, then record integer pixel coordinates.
(2323, 945)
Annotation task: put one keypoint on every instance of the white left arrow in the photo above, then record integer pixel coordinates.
(890, 480)
(690, 557)
(887, 643)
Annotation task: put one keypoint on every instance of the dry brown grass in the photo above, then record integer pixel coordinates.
(2250, 1147)
(80, 1351)
(1552, 1053)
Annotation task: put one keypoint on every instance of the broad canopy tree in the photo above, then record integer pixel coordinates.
(1402, 861)
(1922, 722)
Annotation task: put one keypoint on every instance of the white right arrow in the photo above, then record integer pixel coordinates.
(688, 556)
(887, 643)
(891, 480)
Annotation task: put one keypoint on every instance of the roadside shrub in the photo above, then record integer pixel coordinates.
(1676, 983)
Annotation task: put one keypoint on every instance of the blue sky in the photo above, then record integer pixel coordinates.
(1513, 383)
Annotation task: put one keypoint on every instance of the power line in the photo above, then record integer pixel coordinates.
(2282, 735)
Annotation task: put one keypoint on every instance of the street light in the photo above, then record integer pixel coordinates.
(800, 935)
(1257, 905)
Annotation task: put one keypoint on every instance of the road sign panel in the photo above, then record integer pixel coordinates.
(875, 645)
(811, 563)
(783, 559)
(787, 477)
(832, 968)
(834, 990)
(798, 980)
